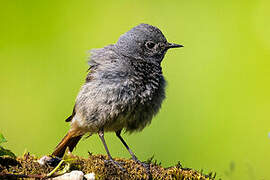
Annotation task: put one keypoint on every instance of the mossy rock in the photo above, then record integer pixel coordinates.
(28, 166)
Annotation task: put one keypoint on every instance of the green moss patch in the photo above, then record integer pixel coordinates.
(27, 166)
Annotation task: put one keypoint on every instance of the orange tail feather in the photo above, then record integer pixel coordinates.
(70, 140)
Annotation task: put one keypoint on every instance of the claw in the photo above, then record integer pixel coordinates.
(116, 164)
(145, 165)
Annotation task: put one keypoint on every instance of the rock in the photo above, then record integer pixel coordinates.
(73, 175)
(43, 160)
(90, 176)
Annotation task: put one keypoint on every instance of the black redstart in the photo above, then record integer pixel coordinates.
(124, 88)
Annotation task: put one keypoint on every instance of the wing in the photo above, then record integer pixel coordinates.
(97, 57)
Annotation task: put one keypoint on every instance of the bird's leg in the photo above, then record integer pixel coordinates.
(147, 166)
(101, 135)
(118, 134)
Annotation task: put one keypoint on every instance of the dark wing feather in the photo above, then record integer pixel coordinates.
(72, 115)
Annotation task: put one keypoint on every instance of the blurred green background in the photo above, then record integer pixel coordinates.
(216, 115)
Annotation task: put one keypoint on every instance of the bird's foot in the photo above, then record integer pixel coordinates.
(115, 163)
(145, 165)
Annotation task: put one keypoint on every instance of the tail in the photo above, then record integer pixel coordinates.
(70, 140)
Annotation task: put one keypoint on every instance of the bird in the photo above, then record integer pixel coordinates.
(123, 90)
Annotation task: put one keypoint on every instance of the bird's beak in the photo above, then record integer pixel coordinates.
(172, 45)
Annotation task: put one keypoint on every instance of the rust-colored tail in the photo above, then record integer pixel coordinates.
(70, 140)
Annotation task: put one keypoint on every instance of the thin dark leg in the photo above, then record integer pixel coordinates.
(101, 135)
(118, 134)
(147, 166)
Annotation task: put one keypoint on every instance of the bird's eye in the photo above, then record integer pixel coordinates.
(150, 45)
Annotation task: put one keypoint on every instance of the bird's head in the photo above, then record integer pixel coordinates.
(144, 42)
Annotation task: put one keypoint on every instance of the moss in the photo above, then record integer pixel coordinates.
(28, 165)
